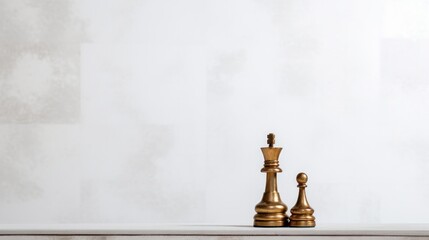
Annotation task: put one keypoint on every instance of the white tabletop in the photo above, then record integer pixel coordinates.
(216, 230)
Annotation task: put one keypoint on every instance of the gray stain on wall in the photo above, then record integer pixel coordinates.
(221, 72)
(39, 83)
(397, 53)
(16, 147)
(39, 62)
(153, 143)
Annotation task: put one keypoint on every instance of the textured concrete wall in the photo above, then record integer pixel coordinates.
(154, 111)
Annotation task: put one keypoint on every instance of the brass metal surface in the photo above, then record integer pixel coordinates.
(271, 211)
(302, 213)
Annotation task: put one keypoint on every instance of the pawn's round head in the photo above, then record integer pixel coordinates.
(301, 178)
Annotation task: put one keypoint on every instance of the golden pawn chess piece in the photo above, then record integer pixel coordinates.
(271, 211)
(302, 213)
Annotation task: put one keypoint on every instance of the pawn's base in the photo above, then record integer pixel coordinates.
(269, 224)
(302, 223)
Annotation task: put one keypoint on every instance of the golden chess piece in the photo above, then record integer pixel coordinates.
(302, 213)
(271, 211)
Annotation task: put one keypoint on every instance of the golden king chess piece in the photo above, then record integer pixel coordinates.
(302, 213)
(271, 211)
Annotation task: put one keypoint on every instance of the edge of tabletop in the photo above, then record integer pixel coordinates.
(214, 230)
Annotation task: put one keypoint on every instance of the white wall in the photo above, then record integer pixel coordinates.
(154, 111)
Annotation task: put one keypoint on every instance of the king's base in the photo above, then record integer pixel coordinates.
(258, 223)
(302, 223)
(270, 220)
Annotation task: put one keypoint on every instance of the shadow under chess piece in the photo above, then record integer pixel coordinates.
(302, 213)
(271, 211)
